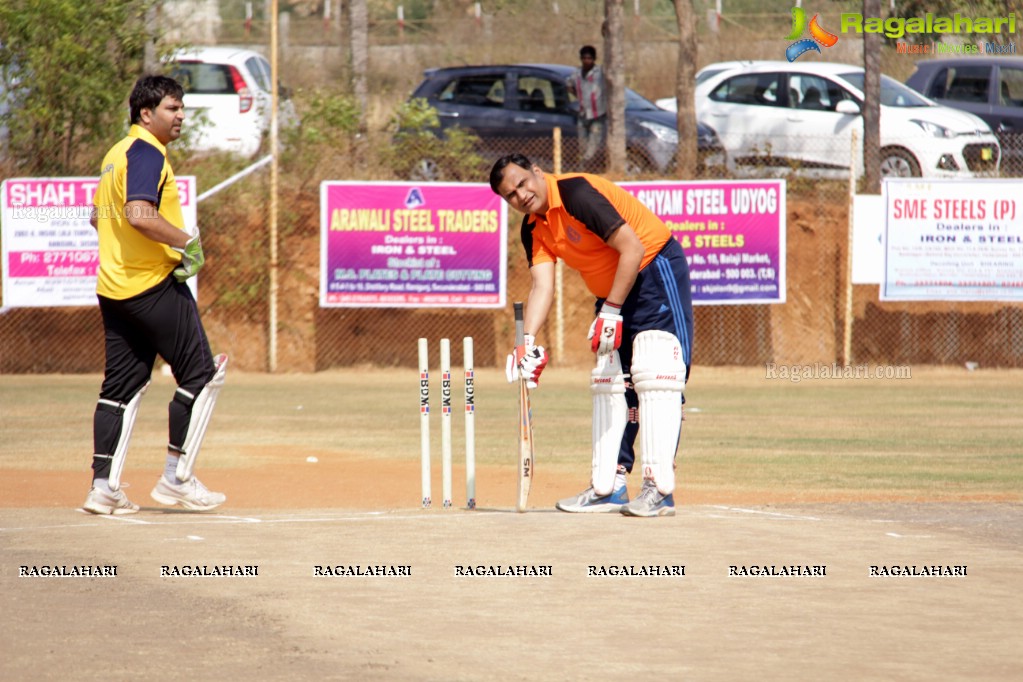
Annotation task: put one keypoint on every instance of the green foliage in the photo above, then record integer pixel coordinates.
(415, 115)
(324, 143)
(328, 120)
(73, 64)
(418, 152)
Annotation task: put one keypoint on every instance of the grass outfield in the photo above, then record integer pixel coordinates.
(941, 434)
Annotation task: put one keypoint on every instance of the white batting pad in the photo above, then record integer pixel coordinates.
(131, 411)
(202, 410)
(610, 413)
(659, 376)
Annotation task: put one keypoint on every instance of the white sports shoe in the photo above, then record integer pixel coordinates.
(115, 502)
(650, 503)
(191, 495)
(589, 502)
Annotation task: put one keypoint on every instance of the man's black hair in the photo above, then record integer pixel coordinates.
(588, 51)
(497, 172)
(149, 91)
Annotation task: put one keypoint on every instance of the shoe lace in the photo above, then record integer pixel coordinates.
(649, 493)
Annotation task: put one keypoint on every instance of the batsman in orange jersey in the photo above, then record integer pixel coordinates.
(642, 333)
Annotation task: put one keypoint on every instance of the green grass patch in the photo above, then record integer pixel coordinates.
(943, 433)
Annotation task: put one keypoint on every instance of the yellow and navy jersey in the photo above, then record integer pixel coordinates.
(135, 169)
(584, 210)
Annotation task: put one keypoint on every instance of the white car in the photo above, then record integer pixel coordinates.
(671, 104)
(775, 116)
(227, 98)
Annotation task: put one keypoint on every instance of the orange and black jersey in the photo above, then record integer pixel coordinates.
(584, 210)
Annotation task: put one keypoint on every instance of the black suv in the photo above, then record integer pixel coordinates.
(990, 87)
(516, 107)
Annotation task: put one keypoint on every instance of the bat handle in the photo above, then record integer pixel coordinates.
(520, 328)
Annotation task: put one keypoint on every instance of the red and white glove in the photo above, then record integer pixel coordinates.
(606, 331)
(526, 361)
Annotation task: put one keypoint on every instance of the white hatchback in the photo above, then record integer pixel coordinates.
(227, 98)
(777, 116)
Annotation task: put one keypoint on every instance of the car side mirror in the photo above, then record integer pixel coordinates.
(847, 106)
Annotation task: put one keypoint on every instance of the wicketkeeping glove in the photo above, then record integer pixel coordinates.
(192, 259)
(606, 331)
(526, 361)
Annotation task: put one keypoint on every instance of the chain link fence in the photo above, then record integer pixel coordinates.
(238, 297)
(234, 297)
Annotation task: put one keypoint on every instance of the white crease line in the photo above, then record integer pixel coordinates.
(766, 513)
(416, 517)
(896, 535)
(238, 520)
(124, 519)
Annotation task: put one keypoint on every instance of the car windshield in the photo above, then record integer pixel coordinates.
(707, 73)
(893, 93)
(203, 79)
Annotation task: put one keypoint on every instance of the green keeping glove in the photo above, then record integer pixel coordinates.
(192, 259)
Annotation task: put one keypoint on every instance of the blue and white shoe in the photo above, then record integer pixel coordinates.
(650, 503)
(589, 502)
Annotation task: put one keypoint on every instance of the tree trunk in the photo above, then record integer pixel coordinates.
(359, 26)
(685, 84)
(872, 103)
(614, 78)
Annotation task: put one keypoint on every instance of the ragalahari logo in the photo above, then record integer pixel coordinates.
(818, 36)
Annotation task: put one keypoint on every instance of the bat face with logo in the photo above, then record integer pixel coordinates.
(525, 475)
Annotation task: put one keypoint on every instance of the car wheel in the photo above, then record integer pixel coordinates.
(426, 170)
(898, 163)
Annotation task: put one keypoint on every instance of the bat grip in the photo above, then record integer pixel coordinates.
(520, 328)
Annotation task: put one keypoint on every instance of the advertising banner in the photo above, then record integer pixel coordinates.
(422, 245)
(50, 251)
(953, 240)
(733, 234)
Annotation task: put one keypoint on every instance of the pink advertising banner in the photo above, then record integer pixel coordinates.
(419, 245)
(733, 234)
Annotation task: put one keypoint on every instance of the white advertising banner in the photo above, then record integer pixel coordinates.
(868, 226)
(953, 240)
(50, 251)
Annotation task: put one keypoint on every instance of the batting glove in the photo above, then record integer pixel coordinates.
(606, 331)
(527, 362)
(192, 259)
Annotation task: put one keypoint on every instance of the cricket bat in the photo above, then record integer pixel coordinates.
(525, 422)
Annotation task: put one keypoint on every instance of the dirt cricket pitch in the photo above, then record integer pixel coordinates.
(720, 610)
